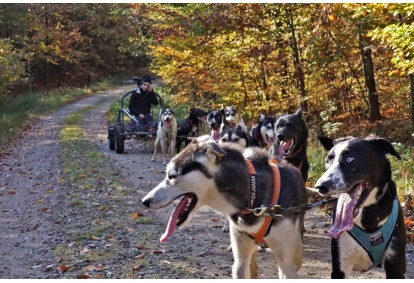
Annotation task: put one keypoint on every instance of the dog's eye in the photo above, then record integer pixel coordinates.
(236, 139)
(350, 159)
(172, 174)
(224, 139)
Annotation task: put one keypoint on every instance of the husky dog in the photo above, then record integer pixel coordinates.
(189, 127)
(166, 134)
(292, 141)
(214, 120)
(231, 115)
(368, 226)
(263, 134)
(237, 133)
(217, 176)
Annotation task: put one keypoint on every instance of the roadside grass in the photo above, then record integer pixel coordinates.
(16, 113)
(100, 241)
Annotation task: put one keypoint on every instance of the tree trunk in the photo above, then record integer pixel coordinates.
(368, 69)
(46, 78)
(411, 77)
(300, 76)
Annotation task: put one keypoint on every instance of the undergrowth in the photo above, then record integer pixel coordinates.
(16, 113)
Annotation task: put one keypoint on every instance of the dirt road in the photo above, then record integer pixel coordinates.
(52, 229)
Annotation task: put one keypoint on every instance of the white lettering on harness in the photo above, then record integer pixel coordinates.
(253, 189)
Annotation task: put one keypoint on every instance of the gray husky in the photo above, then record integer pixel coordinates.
(218, 176)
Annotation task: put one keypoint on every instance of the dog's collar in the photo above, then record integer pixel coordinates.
(265, 228)
(296, 152)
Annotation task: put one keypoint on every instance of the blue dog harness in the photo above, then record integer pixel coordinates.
(376, 243)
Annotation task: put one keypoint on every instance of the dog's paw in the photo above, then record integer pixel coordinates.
(152, 159)
(264, 248)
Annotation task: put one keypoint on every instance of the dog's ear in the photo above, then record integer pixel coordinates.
(214, 148)
(242, 125)
(224, 123)
(208, 151)
(299, 112)
(384, 145)
(326, 142)
(262, 117)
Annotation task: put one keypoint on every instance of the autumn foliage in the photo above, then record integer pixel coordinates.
(350, 65)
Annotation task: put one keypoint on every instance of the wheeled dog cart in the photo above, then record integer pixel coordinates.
(127, 126)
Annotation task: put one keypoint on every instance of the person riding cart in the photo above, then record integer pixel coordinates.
(140, 105)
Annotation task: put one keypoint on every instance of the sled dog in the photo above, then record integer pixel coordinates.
(221, 177)
(368, 225)
(166, 135)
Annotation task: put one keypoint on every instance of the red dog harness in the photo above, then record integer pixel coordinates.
(265, 228)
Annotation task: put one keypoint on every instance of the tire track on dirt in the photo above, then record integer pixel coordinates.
(29, 189)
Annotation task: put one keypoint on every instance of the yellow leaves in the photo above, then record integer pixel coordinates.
(393, 73)
(331, 17)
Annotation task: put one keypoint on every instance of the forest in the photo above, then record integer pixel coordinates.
(349, 65)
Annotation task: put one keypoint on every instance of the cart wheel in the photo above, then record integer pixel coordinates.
(119, 139)
(111, 138)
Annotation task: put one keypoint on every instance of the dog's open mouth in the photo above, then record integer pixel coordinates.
(180, 214)
(215, 133)
(270, 140)
(167, 122)
(286, 148)
(348, 207)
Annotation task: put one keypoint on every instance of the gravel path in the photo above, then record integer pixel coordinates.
(39, 219)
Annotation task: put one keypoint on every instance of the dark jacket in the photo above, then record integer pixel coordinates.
(140, 103)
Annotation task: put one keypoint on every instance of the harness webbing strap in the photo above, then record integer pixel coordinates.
(252, 183)
(265, 228)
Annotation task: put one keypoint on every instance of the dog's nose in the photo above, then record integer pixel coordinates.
(280, 137)
(146, 202)
(322, 189)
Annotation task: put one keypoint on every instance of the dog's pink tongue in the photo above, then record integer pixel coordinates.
(282, 148)
(173, 219)
(215, 134)
(344, 218)
(167, 123)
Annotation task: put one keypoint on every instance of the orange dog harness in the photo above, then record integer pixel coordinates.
(265, 228)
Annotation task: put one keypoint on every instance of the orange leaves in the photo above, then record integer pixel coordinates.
(136, 215)
(44, 209)
(409, 226)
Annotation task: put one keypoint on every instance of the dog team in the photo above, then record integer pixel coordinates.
(237, 172)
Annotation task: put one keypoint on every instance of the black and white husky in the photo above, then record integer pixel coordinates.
(166, 135)
(263, 134)
(368, 225)
(209, 174)
(214, 121)
(235, 133)
(231, 115)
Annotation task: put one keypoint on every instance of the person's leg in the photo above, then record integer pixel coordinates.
(151, 122)
(142, 124)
